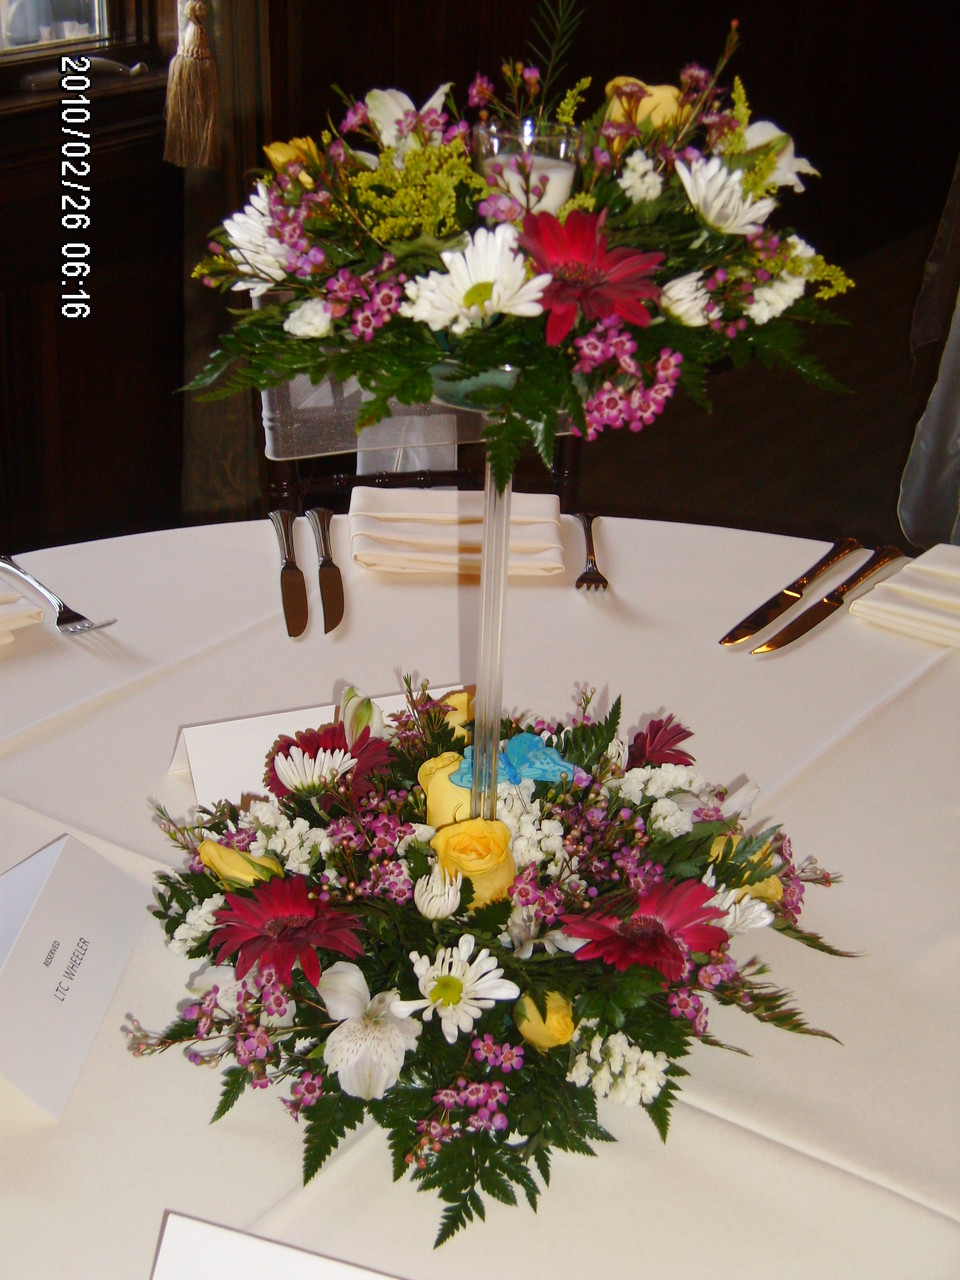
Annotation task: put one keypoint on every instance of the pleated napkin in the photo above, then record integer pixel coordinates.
(922, 599)
(16, 612)
(440, 531)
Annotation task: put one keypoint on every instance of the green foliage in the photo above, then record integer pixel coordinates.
(326, 1122)
(585, 743)
(234, 1082)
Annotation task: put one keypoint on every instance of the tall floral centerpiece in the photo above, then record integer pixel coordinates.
(471, 960)
(602, 260)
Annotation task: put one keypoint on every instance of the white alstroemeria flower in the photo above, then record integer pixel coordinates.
(301, 772)
(422, 832)
(256, 252)
(686, 299)
(358, 712)
(639, 180)
(311, 319)
(485, 279)
(366, 1050)
(458, 990)
(789, 164)
(668, 817)
(740, 801)
(437, 895)
(387, 109)
(742, 912)
(717, 194)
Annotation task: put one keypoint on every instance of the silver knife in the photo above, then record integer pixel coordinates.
(331, 583)
(293, 588)
(831, 602)
(783, 600)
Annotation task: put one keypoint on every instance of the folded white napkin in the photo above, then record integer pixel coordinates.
(440, 531)
(922, 599)
(16, 612)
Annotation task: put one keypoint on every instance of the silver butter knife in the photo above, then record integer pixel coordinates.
(831, 602)
(790, 594)
(293, 588)
(331, 581)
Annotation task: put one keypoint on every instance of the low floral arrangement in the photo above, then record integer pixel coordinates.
(474, 986)
(394, 252)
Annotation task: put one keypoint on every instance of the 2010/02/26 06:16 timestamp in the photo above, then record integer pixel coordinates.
(75, 186)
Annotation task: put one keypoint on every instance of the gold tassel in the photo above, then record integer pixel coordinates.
(193, 98)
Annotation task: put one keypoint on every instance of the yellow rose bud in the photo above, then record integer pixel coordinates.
(296, 151)
(460, 703)
(480, 850)
(446, 802)
(545, 1033)
(236, 870)
(660, 105)
(770, 889)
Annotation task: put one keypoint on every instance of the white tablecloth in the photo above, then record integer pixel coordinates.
(807, 1158)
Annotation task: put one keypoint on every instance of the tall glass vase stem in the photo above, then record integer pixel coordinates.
(489, 695)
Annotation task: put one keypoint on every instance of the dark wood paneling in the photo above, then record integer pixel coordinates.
(872, 101)
(90, 441)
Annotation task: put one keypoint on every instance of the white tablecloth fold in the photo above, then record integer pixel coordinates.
(16, 612)
(922, 599)
(440, 531)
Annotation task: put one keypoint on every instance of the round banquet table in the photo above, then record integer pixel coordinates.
(806, 1158)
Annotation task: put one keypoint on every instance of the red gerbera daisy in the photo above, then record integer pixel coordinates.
(658, 744)
(601, 282)
(669, 921)
(281, 922)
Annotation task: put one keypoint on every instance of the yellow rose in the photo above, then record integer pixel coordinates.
(660, 104)
(480, 850)
(557, 1028)
(446, 802)
(236, 870)
(297, 151)
(460, 703)
(769, 889)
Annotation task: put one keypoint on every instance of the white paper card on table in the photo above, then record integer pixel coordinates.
(226, 758)
(190, 1249)
(69, 919)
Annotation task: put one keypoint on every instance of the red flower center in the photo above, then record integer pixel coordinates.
(285, 925)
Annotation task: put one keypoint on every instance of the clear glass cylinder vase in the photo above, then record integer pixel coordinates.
(488, 702)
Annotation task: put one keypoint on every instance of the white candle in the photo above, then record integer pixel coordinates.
(559, 175)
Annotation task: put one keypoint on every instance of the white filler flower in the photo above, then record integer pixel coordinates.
(485, 279)
(458, 991)
(717, 194)
(312, 319)
(366, 1050)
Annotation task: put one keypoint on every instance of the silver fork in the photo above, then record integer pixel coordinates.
(69, 622)
(591, 578)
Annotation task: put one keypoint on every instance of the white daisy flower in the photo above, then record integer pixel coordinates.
(686, 299)
(742, 912)
(301, 772)
(367, 1049)
(256, 252)
(485, 279)
(638, 179)
(457, 990)
(717, 194)
(437, 895)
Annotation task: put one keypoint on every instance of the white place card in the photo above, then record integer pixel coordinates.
(226, 759)
(193, 1250)
(69, 919)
